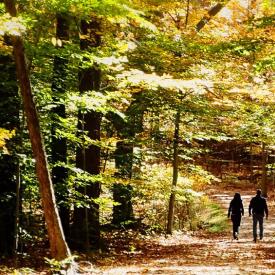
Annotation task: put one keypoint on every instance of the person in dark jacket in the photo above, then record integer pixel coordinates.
(258, 207)
(236, 211)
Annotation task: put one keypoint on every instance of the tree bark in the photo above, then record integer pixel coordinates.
(170, 218)
(124, 155)
(122, 193)
(58, 246)
(59, 145)
(187, 13)
(211, 13)
(264, 170)
(86, 227)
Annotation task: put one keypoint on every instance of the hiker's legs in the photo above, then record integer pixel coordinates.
(255, 220)
(261, 226)
(235, 230)
(236, 219)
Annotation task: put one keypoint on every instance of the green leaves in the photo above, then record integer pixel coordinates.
(265, 64)
(256, 122)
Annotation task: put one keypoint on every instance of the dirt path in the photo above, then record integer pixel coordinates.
(218, 254)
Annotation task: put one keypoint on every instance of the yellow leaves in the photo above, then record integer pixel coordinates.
(11, 25)
(263, 94)
(3, 47)
(5, 135)
(232, 20)
(166, 81)
(254, 92)
(122, 47)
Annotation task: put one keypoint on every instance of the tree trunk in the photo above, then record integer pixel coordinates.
(9, 119)
(187, 13)
(58, 246)
(18, 209)
(251, 9)
(170, 218)
(122, 193)
(124, 155)
(59, 145)
(86, 227)
(264, 171)
(211, 13)
(251, 162)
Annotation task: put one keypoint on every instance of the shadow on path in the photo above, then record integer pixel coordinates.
(208, 254)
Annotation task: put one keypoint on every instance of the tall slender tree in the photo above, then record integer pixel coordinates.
(124, 159)
(170, 218)
(86, 231)
(264, 170)
(59, 145)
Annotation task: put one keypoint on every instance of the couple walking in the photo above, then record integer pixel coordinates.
(257, 207)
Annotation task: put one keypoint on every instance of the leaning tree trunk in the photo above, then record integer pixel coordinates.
(86, 227)
(170, 218)
(58, 246)
(211, 13)
(59, 145)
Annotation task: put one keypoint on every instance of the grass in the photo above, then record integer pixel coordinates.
(214, 218)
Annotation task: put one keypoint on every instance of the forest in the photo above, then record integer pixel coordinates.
(126, 127)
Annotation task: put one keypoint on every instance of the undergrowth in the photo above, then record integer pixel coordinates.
(214, 219)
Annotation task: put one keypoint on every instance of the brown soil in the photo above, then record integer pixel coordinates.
(201, 254)
(181, 253)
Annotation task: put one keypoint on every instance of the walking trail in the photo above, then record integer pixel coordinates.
(206, 254)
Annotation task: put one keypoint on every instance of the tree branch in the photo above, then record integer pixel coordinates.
(211, 13)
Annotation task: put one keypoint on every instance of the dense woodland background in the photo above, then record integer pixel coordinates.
(142, 105)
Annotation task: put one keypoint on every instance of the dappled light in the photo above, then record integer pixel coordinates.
(126, 129)
(183, 253)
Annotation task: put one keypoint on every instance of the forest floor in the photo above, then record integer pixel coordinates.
(201, 253)
(181, 253)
